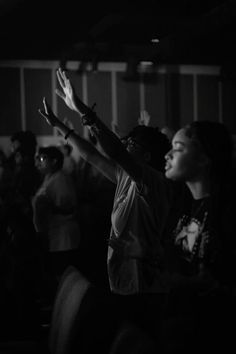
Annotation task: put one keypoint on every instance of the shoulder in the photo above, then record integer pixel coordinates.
(120, 173)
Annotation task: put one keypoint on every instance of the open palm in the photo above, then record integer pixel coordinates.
(67, 93)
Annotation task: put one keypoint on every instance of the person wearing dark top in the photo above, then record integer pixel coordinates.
(201, 246)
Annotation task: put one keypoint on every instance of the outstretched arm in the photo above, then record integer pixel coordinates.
(109, 142)
(87, 151)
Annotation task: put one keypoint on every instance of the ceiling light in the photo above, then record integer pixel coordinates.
(155, 40)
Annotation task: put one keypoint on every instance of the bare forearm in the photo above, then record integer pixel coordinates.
(112, 146)
(109, 142)
(86, 150)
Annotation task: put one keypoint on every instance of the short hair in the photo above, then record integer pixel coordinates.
(153, 141)
(52, 152)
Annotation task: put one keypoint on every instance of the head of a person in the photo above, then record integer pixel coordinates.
(26, 141)
(20, 157)
(149, 145)
(201, 148)
(24, 155)
(49, 159)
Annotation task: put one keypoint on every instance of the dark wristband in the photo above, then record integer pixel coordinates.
(89, 118)
(68, 134)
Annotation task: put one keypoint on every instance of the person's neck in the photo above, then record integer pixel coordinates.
(199, 189)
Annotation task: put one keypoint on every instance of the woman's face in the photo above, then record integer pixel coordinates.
(185, 161)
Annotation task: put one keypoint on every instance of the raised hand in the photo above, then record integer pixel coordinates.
(144, 118)
(72, 100)
(68, 92)
(48, 114)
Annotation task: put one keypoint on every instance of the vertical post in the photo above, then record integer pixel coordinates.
(142, 96)
(114, 122)
(22, 99)
(220, 100)
(54, 97)
(195, 98)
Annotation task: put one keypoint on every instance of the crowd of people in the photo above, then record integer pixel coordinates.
(148, 218)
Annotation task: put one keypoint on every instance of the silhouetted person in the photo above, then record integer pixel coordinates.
(140, 209)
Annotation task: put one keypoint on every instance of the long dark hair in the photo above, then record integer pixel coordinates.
(216, 143)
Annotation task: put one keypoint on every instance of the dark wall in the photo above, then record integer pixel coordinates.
(172, 98)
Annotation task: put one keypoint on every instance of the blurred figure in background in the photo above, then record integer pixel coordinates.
(142, 200)
(55, 213)
(20, 259)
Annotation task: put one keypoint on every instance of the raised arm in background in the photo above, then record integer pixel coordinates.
(87, 150)
(108, 140)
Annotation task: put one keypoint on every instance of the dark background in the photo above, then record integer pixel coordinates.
(189, 32)
(37, 36)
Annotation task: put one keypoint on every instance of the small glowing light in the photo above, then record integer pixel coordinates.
(155, 40)
(146, 63)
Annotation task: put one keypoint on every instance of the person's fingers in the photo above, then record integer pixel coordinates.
(64, 76)
(60, 78)
(45, 105)
(45, 116)
(60, 94)
(42, 113)
(60, 71)
(68, 84)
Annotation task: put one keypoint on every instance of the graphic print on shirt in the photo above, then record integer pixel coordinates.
(192, 236)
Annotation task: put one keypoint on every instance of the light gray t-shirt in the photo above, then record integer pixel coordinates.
(51, 203)
(138, 219)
